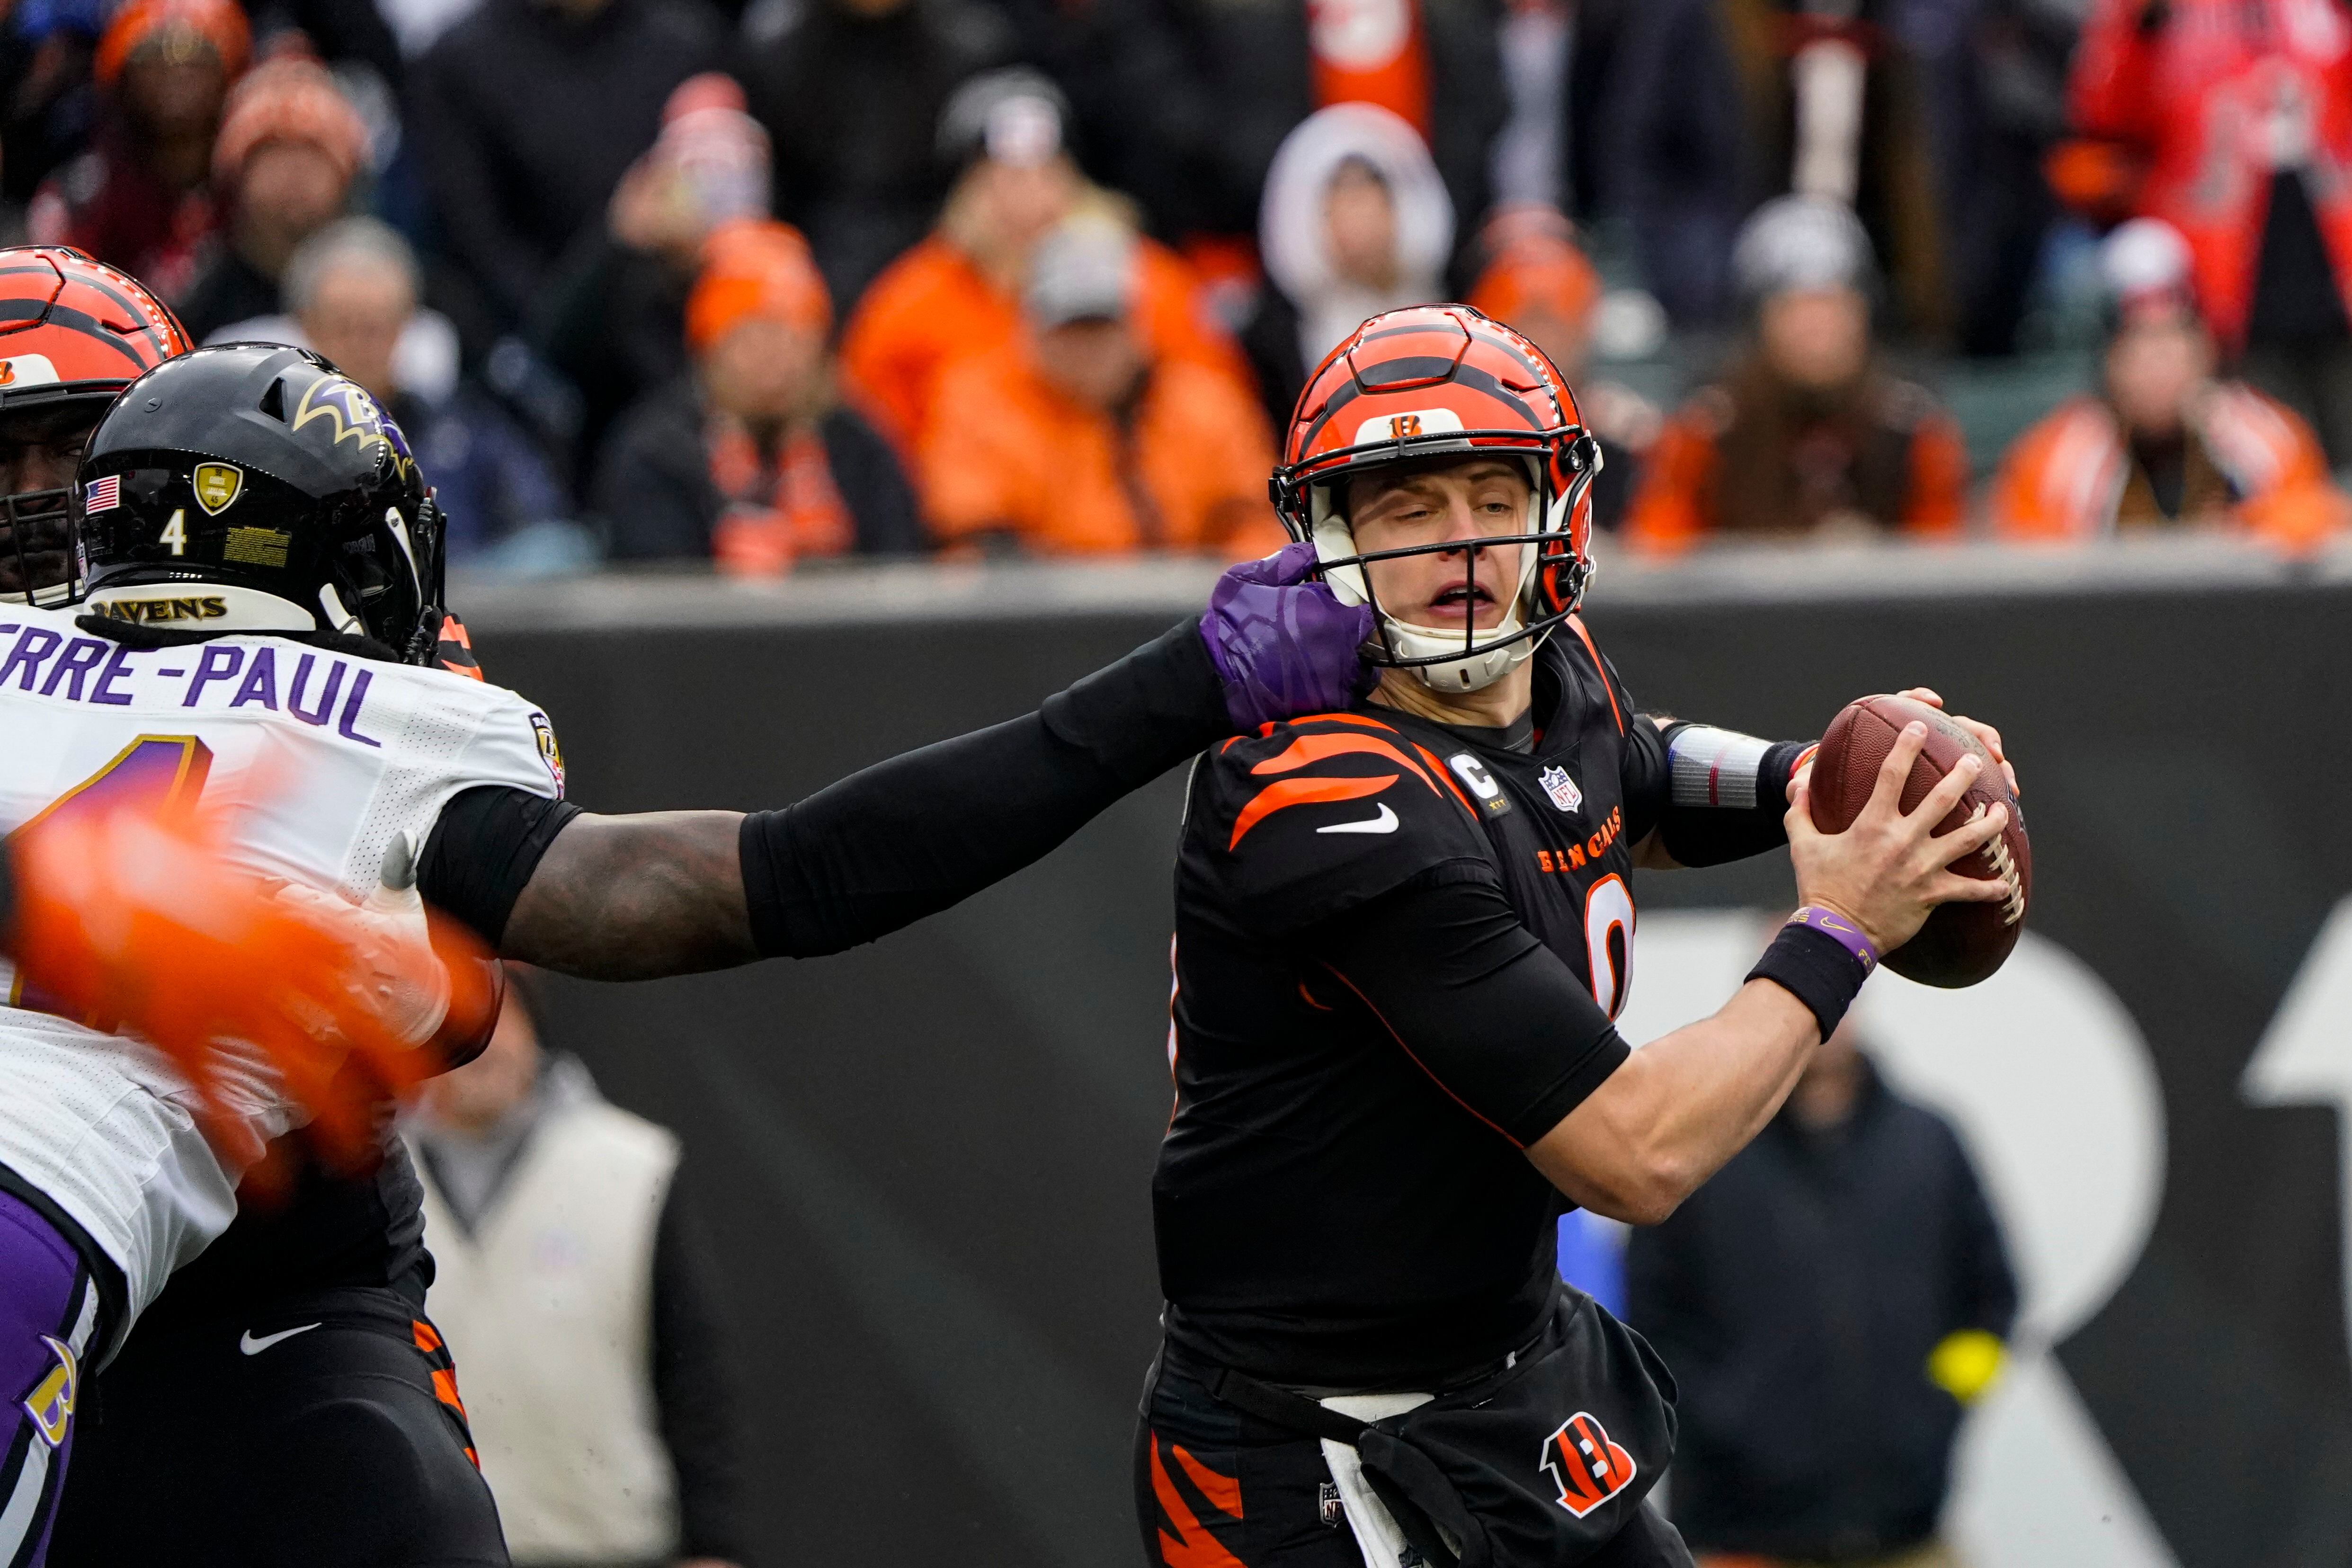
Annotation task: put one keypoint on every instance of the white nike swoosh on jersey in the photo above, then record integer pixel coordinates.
(1386, 822)
(252, 1346)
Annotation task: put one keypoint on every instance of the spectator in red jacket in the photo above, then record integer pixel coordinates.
(140, 198)
(1808, 435)
(2236, 118)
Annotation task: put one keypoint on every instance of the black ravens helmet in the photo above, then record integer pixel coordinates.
(253, 488)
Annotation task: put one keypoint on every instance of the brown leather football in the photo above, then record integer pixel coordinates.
(1961, 944)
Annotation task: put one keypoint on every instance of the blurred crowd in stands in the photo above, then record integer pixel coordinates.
(754, 282)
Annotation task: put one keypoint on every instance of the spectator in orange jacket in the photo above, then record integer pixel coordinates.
(2232, 118)
(1807, 435)
(1077, 438)
(2164, 443)
(958, 291)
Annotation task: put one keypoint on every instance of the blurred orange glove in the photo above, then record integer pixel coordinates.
(137, 922)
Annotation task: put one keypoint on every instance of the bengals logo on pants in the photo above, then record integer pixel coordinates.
(1585, 1465)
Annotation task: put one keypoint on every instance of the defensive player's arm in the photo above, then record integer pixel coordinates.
(1507, 1029)
(628, 898)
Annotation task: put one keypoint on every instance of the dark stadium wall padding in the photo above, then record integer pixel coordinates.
(927, 1162)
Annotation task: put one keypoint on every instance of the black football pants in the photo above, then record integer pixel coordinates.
(324, 1433)
(1217, 1488)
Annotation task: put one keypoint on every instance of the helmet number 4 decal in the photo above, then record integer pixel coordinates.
(176, 532)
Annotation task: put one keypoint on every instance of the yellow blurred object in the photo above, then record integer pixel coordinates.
(1964, 1363)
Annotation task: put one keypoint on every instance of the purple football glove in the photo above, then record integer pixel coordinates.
(1283, 644)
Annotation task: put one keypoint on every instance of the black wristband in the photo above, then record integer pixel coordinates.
(1816, 969)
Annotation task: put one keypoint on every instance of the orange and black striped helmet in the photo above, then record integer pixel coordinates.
(1423, 383)
(73, 334)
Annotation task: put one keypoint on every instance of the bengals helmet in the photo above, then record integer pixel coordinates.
(73, 332)
(1427, 382)
(254, 488)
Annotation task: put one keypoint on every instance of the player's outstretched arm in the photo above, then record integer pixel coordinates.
(635, 898)
(631, 898)
(1677, 1109)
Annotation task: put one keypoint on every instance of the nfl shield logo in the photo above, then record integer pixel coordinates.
(1561, 788)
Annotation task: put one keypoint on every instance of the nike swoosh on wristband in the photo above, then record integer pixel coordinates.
(1386, 822)
(252, 1346)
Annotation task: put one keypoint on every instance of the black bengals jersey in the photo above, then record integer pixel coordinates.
(1399, 945)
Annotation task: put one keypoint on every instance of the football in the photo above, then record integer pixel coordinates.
(1961, 944)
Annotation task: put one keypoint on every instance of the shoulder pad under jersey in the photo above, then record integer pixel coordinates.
(1309, 818)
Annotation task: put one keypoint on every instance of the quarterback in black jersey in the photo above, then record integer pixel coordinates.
(1403, 930)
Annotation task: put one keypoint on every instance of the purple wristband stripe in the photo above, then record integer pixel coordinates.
(1840, 930)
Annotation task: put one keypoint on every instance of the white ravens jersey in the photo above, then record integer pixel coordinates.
(324, 758)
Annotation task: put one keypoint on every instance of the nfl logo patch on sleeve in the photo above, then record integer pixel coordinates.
(1561, 788)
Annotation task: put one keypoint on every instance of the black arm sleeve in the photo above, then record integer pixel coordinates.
(691, 1392)
(1485, 1009)
(484, 847)
(910, 837)
(1697, 825)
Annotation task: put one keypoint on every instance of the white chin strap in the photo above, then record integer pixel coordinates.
(1489, 658)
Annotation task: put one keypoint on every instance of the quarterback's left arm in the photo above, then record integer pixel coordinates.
(1698, 795)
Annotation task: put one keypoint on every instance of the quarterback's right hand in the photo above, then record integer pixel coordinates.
(1888, 870)
(1282, 642)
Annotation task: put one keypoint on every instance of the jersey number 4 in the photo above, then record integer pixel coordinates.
(154, 773)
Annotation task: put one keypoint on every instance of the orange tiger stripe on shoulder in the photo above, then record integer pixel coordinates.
(1314, 748)
(1268, 729)
(1284, 793)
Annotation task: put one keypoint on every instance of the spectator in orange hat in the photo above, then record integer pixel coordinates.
(958, 291)
(1807, 436)
(747, 460)
(2163, 442)
(1538, 282)
(290, 148)
(1079, 438)
(139, 198)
